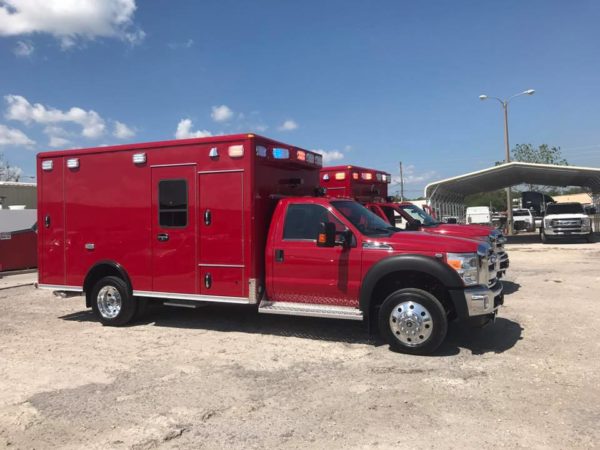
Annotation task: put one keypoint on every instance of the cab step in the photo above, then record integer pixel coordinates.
(310, 310)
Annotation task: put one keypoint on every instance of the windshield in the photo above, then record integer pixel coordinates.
(364, 220)
(521, 212)
(564, 208)
(418, 214)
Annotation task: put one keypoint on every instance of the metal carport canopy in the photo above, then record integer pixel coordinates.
(513, 174)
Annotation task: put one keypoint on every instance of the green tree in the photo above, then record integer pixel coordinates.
(544, 154)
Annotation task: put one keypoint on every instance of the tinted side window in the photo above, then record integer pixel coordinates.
(302, 221)
(172, 203)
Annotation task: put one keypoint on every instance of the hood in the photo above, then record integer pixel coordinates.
(460, 230)
(418, 241)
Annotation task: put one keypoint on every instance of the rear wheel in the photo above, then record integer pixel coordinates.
(413, 321)
(112, 301)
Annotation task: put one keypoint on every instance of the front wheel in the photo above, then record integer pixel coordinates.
(112, 301)
(544, 238)
(413, 321)
(590, 238)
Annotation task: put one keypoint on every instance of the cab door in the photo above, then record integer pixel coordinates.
(305, 273)
(173, 234)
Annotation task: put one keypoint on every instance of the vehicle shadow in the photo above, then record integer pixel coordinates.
(496, 338)
(509, 287)
(534, 238)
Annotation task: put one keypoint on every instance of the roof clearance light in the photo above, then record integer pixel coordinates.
(340, 176)
(47, 164)
(139, 158)
(236, 151)
(366, 176)
(213, 153)
(319, 160)
(310, 157)
(261, 151)
(326, 177)
(301, 155)
(73, 163)
(281, 153)
(355, 175)
(379, 177)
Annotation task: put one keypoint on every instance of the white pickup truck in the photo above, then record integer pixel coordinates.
(523, 220)
(564, 220)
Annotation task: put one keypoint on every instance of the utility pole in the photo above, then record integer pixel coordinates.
(401, 183)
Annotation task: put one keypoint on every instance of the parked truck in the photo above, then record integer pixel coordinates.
(370, 187)
(566, 220)
(241, 219)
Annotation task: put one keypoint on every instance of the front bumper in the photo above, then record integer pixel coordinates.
(478, 300)
(583, 231)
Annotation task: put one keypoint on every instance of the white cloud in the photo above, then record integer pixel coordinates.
(57, 141)
(412, 176)
(13, 136)
(221, 113)
(122, 131)
(330, 156)
(20, 109)
(71, 20)
(184, 130)
(23, 49)
(288, 125)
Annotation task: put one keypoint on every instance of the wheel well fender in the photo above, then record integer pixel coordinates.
(100, 270)
(424, 266)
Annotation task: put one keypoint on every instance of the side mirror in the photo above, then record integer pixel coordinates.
(326, 236)
(414, 225)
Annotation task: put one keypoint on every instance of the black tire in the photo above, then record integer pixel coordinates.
(544, 237)
(127, 304)
(433, 325)
(590, 238)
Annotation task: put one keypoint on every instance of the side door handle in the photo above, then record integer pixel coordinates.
(278, 255)
(162, 237)
(47, 221)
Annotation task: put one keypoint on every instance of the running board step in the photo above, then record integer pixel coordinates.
(310, 310)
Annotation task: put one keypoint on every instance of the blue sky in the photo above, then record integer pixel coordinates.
(370, 83)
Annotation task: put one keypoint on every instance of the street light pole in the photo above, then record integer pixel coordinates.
(504, 103)
(509, 211)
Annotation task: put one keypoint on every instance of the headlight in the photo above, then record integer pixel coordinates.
(466, 265)
(547, 223)
(586, 222)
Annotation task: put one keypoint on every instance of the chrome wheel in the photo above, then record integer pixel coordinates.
(109, 302)
(411, 323)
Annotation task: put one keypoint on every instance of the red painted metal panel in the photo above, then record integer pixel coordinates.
(174, 243)
(18, 250)
(311, 274)
(51, 223)
(222, 232)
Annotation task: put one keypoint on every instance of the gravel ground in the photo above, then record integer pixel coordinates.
(225, 376)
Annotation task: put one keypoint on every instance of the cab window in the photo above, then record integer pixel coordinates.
(302, 221)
